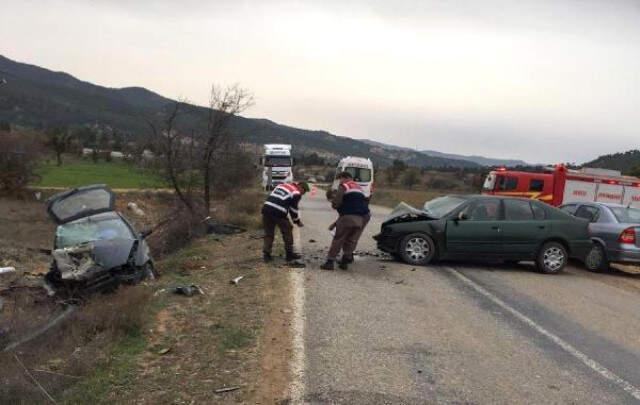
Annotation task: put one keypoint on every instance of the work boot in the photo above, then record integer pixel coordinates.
(344, 263)
(347, 259)
(291, 256)
(266, 256)
(328, 265)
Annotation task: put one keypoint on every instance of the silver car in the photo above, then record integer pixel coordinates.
(615, 231)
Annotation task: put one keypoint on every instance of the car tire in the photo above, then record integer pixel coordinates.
(596, 260)
(552, 257)
(417, 249)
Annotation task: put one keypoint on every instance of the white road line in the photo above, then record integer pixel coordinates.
(297, 386)
(589, 362)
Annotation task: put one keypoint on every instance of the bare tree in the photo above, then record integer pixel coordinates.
(175, 150)
(59, 140)
(224, 104)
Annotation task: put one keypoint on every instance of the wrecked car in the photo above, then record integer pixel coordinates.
(471, 227)
(95, 248)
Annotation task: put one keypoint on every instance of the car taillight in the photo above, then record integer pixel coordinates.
(627, 236)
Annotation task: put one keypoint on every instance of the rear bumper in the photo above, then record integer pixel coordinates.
(624, 254)
(386, 243)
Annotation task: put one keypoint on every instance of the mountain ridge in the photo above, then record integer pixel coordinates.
(38, 97)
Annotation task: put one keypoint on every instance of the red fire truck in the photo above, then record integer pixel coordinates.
(558, 185)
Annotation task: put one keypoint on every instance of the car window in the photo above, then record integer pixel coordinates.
(483, 210)
(536, 185)
(88, 230)
(539, 212)
(626, 215)
(569, 208)
(506, 183)
(588, 212)
(517, 210)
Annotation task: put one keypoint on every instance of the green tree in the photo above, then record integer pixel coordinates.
(635, 171)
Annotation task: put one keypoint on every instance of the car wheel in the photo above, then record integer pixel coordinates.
(552, 258)
(417, 249)
(596, 259)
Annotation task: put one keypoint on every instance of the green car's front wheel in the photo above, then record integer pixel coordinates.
(417, 249)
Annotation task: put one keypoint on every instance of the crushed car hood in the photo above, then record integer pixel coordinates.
(404, 210)
(79, 203)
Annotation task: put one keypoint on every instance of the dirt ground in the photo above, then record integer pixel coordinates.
(145, 344)
(232, 336)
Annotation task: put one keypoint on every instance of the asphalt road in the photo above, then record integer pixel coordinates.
(385, 332)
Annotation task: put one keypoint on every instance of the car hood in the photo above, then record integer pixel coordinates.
(79, 203)
(404, 212)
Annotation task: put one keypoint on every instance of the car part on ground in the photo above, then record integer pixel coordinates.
(471, 227)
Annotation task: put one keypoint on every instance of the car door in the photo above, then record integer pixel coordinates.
(524, 227)
(477, 231)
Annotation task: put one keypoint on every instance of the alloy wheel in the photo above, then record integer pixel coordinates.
(417, 248)
(553, 258)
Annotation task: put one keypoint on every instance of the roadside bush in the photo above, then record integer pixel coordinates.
(234, 169)
(19, 156)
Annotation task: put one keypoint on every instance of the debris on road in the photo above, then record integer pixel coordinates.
(296, 264)
(164, 351)
(226, 389)
(400, 282)
(236, 280)
(188, 290)
(4, 270)
(312, 241)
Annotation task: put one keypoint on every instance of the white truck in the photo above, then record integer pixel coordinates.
(277, 165)
(361, 169)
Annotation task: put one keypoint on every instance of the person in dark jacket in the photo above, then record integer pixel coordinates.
(281, 203)
(353, 210)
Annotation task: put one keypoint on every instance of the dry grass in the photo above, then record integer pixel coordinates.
(66, 353)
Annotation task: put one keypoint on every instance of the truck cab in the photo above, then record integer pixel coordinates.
(361, 169)
(277, 165)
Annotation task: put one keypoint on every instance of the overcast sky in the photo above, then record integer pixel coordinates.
(544, 81)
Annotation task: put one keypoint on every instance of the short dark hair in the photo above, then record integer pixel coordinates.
(344, 175)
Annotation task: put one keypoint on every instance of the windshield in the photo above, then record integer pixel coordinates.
(277, 161)
(626, 215)
(359, 174)
(91, 229)
(441, 206)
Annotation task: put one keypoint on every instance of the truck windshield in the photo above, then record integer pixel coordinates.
(626, 215)
(359, 174)
(277, 161)
(441, 206)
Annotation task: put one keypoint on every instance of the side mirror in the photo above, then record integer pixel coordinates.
(462, 216)
(145, 233)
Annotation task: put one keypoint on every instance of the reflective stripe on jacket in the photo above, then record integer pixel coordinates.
(350, 199)
(283, 201)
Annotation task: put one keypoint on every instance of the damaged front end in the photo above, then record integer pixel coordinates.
(404, 212)
(95, 248)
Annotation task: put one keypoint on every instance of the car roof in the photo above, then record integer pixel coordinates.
(485, 196)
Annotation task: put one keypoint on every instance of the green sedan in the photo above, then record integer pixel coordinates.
(470, 227)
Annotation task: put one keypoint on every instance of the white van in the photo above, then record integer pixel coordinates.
(362, 171)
